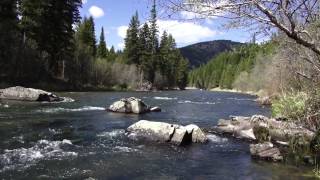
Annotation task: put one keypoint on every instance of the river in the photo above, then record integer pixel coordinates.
(78, 140)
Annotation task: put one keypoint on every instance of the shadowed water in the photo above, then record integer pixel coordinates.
(78, 140)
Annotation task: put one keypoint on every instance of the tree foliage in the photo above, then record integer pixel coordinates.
(161, 64)
(102, 50)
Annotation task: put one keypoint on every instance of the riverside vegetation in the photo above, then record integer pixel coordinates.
(276, 69)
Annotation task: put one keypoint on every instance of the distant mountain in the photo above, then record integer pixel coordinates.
(201, 53)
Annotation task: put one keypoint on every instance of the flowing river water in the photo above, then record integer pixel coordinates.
(79, 140)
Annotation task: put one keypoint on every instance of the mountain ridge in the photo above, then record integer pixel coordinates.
(201, 53)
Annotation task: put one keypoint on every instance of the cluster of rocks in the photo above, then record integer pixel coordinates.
(262, 129)
(28, 94)
(156, 131)
(165, 132)
(132, 105)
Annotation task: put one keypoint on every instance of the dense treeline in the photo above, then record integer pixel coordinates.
(47, 44)
(224, 69)
(160, 63)
(36, 44)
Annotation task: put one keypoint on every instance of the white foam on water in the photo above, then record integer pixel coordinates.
(19, 138)
(240, 99)
(112, 134)
(4, 105)
(54, 131)
(216, 139)
(165, 98)
(60, 109)
(25, 157)
(124, 149)
(65, 100)
(194, 102)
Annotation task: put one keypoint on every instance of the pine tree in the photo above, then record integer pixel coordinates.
(145, 51)
(154, 43)
(164, 49)
(49, 23)
(132, 41)
(8, 33)
(102, 47)
(92, 36)
(112, 54)
(86, 34)
(182, 73)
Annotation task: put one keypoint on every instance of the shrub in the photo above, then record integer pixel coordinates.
(312, 116)
(291, 106)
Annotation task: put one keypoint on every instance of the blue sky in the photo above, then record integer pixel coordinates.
(114, 16)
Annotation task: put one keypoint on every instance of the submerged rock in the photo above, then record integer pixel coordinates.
(132, 105)
(165, 132)
(28, 94)
(265, 151)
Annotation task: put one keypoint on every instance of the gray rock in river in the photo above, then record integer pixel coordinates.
(28, 94)
(265, 151)
(132, 105)
(165, 132)
(238, 126)
(261, 127)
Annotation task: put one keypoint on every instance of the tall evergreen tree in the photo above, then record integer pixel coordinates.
(154, 42)
(132, 41)
(102, 47)
(8, 33)
(50, 24)
(145, 51)
(86, 34)
(93, 42)
(164, 50)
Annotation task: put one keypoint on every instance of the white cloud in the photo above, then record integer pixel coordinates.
(122, 31)
(121, 45)
(96, 12)
(84, 1)
(186, 32)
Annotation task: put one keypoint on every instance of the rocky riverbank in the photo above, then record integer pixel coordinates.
(267, 135)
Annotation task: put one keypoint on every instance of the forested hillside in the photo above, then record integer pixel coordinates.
(201, 53)
(223, 70)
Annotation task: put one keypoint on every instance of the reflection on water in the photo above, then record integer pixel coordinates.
(80, 139)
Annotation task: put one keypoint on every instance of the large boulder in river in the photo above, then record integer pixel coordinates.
(165, 132)
(28, 94)
(131, 105)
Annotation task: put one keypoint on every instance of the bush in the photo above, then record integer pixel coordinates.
(312, 116)
(291, 106)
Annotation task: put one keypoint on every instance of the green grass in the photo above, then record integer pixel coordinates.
(290, 105)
